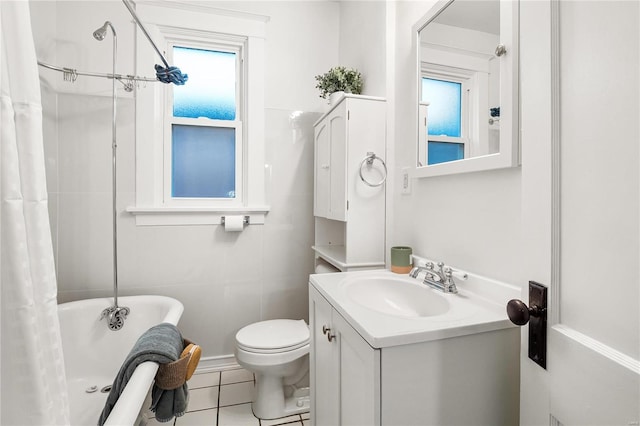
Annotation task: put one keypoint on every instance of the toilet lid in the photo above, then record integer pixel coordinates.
(274, 334)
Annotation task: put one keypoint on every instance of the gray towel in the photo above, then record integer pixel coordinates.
(169, 403)
(162, 344)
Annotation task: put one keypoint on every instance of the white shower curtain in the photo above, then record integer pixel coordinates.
(34, 390)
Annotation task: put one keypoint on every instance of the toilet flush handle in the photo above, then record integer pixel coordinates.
(327, 331)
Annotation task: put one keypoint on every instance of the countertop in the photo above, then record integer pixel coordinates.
(479, 306)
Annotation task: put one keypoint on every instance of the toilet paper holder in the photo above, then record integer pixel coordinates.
(244, 221)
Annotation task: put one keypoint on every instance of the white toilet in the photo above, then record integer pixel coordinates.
(277, 351)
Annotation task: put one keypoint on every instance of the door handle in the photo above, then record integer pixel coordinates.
(536, 315)
(519, 313)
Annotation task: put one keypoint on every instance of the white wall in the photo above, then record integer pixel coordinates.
(471, 221)
(225, 280)
(362, 42)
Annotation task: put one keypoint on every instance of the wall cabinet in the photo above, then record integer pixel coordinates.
(470, 379)
(350, 214)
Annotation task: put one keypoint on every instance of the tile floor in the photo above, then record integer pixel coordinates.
(223, 398)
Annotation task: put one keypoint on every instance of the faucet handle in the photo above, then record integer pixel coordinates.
(457, 274)
(449, 274)
(450, 284)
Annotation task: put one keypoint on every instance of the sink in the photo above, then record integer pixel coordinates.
(396, 296)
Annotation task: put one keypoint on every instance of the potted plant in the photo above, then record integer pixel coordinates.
(339, 79)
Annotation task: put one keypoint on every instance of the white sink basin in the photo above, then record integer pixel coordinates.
(394, 296)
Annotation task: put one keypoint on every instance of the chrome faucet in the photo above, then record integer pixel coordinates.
(115, 316)
(429, 271)
(441, 279)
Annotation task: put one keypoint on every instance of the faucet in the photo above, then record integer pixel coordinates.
(441, 279)
(429, 271)
(115, 316)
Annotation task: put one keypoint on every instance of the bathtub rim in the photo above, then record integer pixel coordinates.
(173, 316)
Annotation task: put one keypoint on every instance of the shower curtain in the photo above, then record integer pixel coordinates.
(34, 390)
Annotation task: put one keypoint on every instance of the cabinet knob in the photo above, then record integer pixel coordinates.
(327, 331)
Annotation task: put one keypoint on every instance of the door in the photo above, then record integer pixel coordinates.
(580, 183)
(322, 161)
(359, 367)
(330, 140)
(337, 120)
(325, 410)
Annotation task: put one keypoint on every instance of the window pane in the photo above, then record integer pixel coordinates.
(211, 89)
(203, 162)
(445, 106)
(441, 152)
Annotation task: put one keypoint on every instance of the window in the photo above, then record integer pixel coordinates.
(203, 148)
(447, 129)
(199, 147)
(445, 111)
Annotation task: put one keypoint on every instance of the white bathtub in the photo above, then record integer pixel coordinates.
(93, 354)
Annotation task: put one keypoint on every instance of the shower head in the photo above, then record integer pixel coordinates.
(101, 32)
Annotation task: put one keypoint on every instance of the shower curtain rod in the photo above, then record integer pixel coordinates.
(70, 74)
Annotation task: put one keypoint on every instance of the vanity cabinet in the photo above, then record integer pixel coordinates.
(345, 370)
(469, 379)
(350, 214)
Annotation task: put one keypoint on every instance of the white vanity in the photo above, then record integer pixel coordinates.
(388, 350)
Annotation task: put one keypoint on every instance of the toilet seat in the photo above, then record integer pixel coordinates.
(271, 351)
(251, 359)
(273, 336)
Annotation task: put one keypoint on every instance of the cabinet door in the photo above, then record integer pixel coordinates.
(345, 371)
(359, 367)
(322, 147)
(337, 122)
(324, 375)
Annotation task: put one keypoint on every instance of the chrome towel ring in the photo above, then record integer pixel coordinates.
(368, 160)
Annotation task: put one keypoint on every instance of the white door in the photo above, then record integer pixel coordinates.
(338, 173)
(322, 164)
(580, 158)
(323, 358)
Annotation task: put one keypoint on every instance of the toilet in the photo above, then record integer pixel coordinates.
(277, 352)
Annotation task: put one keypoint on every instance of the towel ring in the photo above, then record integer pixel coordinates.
(368, 160)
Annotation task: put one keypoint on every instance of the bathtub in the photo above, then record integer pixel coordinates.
(93, 355)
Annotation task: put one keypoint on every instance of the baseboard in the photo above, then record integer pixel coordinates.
(217, 363)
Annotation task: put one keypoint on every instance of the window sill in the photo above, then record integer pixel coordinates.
(159, 216)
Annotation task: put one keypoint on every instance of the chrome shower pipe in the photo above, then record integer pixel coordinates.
(144, 31)
(115, 314)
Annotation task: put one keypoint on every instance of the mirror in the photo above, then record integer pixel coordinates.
(467, 87)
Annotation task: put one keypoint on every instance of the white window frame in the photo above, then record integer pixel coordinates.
(236, 47)
(171, 22)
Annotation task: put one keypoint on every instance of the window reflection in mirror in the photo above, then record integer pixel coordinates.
(459, 99)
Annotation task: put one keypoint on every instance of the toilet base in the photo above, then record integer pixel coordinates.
(273, 404)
